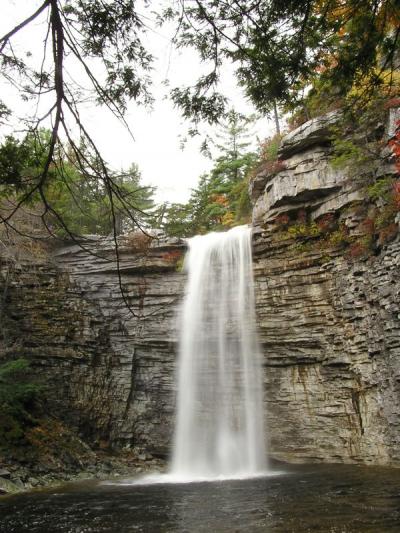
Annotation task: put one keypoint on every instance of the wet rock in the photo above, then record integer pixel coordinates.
(5, 473)
(8, 486)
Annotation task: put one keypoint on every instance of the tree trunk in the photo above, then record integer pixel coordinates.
(276, 118)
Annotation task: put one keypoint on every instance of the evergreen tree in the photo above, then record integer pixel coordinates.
(136, 195)
(74, 200)
(175, 219)
(227, 181)
(221, 198)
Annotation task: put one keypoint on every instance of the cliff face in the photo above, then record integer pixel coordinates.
(109, 370)
(329, 317)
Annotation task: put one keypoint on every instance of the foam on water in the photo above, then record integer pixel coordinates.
(157, 478)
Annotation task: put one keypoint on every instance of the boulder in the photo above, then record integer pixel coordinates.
(8, 487)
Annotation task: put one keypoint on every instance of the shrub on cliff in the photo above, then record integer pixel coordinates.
(18, 396)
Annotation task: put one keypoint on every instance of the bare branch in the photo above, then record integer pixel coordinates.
(4, 40)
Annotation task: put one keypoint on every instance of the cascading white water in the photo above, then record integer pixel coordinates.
(219, 430)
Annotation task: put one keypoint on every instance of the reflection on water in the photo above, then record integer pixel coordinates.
(333, 499)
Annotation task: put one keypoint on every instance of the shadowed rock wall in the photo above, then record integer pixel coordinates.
(110, 370)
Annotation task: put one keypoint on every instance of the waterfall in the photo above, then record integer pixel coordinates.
(219, 429)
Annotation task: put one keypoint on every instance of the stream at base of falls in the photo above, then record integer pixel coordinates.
(302, 498)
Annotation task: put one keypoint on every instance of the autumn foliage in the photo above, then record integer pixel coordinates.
(172, 256)
(394, 144)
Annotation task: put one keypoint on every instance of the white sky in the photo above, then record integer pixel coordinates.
(156, 147)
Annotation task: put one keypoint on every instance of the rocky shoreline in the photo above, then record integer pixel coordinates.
(16, 477)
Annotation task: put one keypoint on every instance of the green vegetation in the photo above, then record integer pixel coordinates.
(27, 432)
(221, 199)
(281, 49)
(376, 227)
(18, 395)
(74, 202)
(303, 57)
(358, 137)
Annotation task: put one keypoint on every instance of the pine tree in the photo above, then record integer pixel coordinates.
(221, 198)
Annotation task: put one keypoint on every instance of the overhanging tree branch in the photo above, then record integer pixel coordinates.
(4, 40)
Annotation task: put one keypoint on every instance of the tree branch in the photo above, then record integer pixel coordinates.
(8, 35)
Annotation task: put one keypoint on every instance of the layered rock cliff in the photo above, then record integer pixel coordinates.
(327, 306)
(109, 368)
(328, 309)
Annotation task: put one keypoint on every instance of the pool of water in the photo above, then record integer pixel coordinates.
(334, 498)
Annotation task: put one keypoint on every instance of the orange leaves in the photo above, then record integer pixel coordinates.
(396, 194)
(228, 219)
(333, 11)
(388, 16)
(220, 199)
(138, 241)
(272, 167)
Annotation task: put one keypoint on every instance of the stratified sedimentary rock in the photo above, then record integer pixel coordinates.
(109, 368)
(329, 325)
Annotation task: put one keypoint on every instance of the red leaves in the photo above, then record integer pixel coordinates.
(396, 194)
(392, 103)
(282, 220)
(388, 233)
(302, 216)
(395, 146)
(357, 249)
(273, 167)
(369, 226)
(326, 222)
(172, 256)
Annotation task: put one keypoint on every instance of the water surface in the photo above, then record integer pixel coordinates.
(335, 499)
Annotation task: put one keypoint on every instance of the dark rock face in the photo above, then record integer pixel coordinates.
(110, 370)
(329, 326)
